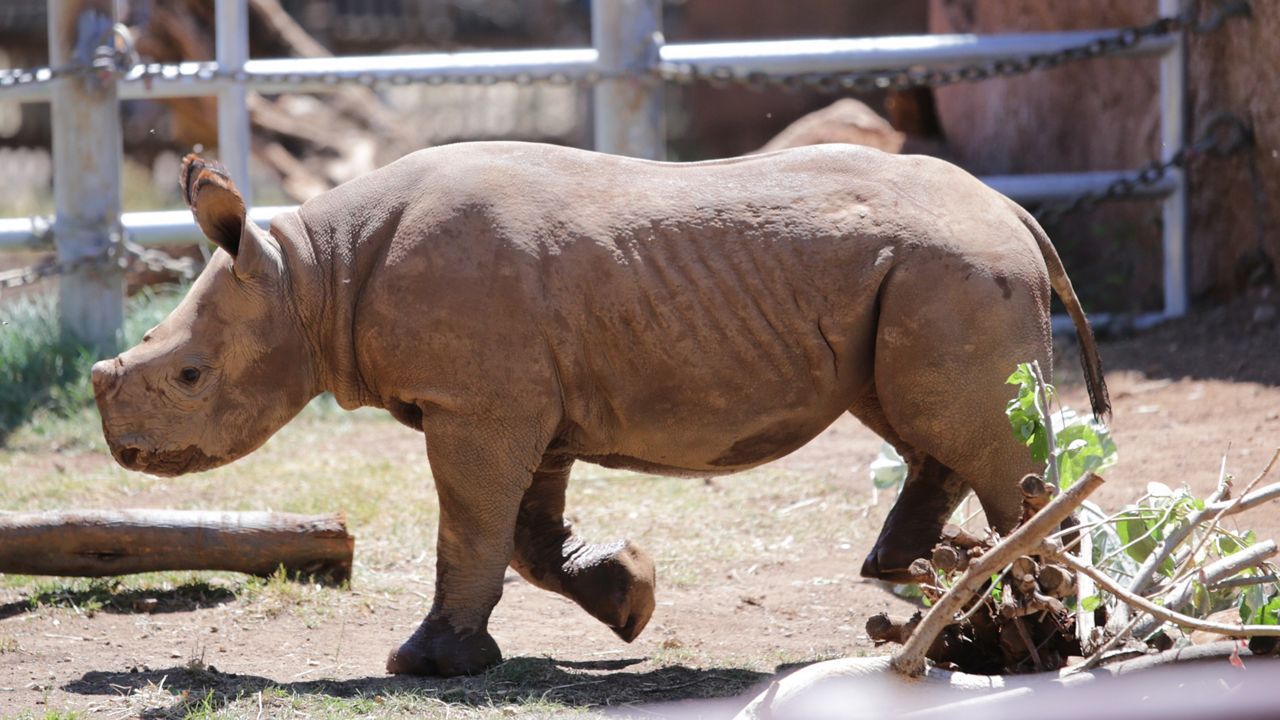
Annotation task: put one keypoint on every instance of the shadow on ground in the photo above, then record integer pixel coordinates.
(104, 597)
(1237, 341)
(516, 681)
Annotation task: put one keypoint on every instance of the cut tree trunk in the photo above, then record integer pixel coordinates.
(100, 543)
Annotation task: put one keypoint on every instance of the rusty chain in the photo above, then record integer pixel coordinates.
(51, 266)
(119, 251)
(1224, 134)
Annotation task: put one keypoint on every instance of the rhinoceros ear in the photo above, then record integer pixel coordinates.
(214, 201)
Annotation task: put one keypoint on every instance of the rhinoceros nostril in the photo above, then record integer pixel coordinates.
(129, 456)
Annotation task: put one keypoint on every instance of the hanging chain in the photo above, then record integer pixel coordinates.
(112, 252)
(1224, 134)
(119, 251)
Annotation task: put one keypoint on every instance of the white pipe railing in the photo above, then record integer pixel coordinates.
(1173, 137)
(623, 68)
(859, 54)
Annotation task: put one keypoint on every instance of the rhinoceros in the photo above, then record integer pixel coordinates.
(527, 307)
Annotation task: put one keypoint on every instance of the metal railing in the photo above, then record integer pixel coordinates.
(628, 67)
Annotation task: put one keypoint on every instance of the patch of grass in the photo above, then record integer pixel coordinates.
(44, 373)
(280, 593)
(49, 715)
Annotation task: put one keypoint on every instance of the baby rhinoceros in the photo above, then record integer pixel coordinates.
(527, 306)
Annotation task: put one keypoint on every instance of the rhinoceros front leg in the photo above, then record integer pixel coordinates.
(614, 582)
(481, 475)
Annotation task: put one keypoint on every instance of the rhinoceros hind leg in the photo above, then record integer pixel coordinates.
(613, 582)
(929, 495)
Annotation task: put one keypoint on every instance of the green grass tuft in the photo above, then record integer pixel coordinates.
(44, 373)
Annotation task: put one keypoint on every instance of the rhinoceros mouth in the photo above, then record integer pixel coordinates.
(166, 463)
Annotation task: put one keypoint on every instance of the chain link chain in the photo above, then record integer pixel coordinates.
(1224, 134)
(119, 251)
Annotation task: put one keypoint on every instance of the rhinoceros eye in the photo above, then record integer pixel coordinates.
(189, 375)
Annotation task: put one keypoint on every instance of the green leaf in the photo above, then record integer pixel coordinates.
(997, 589)
(1083, 448)
(1251, 600)
(1024, 414)
(1132, 528)
(1268, 614)
(1090, 603)
(1226, 545)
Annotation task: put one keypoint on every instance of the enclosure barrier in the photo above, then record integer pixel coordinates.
(628, 67)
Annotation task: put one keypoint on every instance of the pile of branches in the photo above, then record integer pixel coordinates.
(1071, 582)
(1020, 623)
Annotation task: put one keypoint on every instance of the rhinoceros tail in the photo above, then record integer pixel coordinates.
(1089, 360)
(214, 200)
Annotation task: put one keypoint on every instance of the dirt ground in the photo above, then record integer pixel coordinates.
(756, 572)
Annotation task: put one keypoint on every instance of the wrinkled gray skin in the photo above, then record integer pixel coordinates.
(526, 306)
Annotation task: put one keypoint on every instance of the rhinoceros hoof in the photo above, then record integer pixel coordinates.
(888, 566)
(615, 583)
(435, 649)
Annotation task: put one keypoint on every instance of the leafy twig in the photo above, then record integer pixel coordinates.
(1216, 509)
(1213, 522)
(1177, 598)
(1177, 618)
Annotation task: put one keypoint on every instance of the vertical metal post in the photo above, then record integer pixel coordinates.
(628, 102)
(1173, 136)
(87, 156)
(231, 29)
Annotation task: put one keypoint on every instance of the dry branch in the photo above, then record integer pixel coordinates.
(120, 542)
(1145, 605)
(1215, 510)
(1180, 595)
(910, 660)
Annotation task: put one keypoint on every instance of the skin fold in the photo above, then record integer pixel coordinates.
(528, 306)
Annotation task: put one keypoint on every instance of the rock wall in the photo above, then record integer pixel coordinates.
(1102, 114)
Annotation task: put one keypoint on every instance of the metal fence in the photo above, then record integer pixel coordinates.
(628, 66)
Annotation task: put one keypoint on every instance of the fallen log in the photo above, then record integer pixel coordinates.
(98, 543)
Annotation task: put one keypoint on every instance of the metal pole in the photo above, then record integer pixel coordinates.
(231, 29)
(1173, 136)
(629, 114)
(87, 158)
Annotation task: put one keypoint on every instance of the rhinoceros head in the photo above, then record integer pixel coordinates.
(227, 368)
